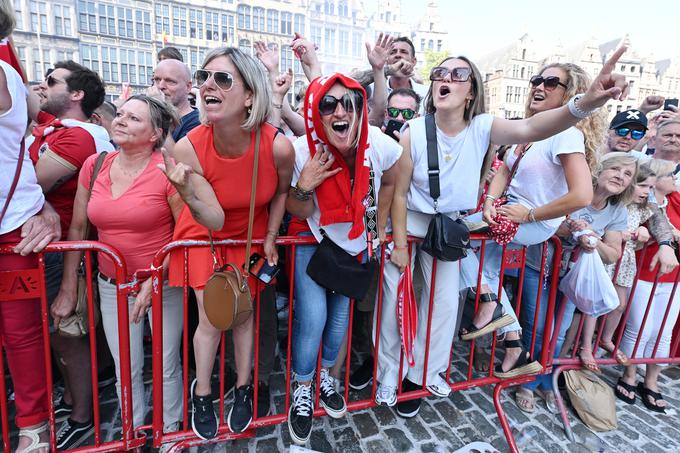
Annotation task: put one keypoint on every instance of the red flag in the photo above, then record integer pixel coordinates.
(407, 315)
(8, 55)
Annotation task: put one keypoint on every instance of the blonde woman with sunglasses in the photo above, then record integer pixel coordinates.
(213, 176)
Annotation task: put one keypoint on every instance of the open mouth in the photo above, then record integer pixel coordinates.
(538, 97)
(340, 127)
(208, 100)
(444, 91)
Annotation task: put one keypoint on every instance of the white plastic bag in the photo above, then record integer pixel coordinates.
(589, 287)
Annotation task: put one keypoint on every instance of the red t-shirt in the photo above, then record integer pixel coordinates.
(673, 211)
(137, 223)
(70, 146)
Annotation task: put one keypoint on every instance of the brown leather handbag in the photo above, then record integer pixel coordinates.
(226, 298)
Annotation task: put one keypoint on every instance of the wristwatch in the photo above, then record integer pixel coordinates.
(671, 244)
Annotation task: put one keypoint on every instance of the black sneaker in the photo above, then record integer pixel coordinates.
(72, 434)
(62, 410)
(229, 381)
(203, 417)
(329, 398)
(410, 408)
(300, 414)
(363, 376)
(106, 377)
(241, 413)
(263, 400)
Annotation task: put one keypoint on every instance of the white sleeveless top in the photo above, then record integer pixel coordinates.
(28, 198)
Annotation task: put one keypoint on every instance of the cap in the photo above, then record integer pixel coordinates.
(632, 117)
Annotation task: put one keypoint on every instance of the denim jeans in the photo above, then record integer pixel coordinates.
(532, 285)
(319, 316)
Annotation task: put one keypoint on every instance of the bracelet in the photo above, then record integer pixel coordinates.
(531, 216)
(671, 244)
(301, 194)
(273, 233)
(277, 106)
(489, 197)
(577, 111)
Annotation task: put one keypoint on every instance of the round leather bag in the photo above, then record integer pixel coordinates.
(226, 298)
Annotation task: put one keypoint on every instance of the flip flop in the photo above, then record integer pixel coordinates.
(645, 393)
(524, 402)
(549, 399)
(590, 365)
(621, 358)
(627, 387)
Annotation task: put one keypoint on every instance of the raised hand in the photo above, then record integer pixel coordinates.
(178, 175)
(606, 85)
(651, 103)
(317, 169)
(305, 51)
(402, 68)
(268, 57)
(281, 84)
(377, 56)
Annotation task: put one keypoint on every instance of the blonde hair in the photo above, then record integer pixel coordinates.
(661, 167)
(254, 79)
(7, 19)
(163, 116)
(610, 160)
(476, 106)
(593, 127)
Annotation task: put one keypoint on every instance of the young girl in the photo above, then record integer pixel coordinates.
(638, 214)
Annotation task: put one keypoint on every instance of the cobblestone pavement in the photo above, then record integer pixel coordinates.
(446, 424)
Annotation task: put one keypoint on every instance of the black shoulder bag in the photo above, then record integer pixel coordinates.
(446, 239)
(335, 269)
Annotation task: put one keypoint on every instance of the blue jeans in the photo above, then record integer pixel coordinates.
(531, 286)
(317, 314)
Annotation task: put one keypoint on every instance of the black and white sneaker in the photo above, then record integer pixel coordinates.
(363, 376)
(203, 417)
(263, 400)
(62, 410)
(410, 408)
(300, 414)
(329, 397)
(241, 413)
(72, 434)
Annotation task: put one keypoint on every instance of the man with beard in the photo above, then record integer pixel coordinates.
(61, 142)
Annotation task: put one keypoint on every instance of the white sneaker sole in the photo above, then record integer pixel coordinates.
(297, 440)
(229, 421)
(193, 412)
(334, 413)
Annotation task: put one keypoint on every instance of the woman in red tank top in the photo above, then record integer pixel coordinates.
(213, 176)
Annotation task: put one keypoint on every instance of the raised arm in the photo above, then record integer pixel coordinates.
(305, 50)
(377, 57)
(546, 124)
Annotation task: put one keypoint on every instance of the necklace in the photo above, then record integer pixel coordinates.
(131, 173)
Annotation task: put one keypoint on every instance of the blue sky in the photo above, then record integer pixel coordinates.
(480, 26)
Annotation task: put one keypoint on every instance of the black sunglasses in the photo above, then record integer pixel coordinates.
(461, 74)
(549, 83)
(407, 114)
(351, 102)
(635, 134)
(223, 80)
(52, 81)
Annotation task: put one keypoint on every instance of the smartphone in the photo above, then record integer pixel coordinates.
(669, 102)
(260, 268)
(392, 127)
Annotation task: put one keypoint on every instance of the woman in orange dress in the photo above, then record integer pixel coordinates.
(213, 176)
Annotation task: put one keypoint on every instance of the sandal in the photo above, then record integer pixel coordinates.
(524, 398)
(590, 365)
(498, 319)
(34, 435)
(550, 400)
(645, 393)
(619, 355)
(628, 388)
(522, 367)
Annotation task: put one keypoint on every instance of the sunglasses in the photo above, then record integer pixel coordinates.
(394, 112)
(52, 81)
(635, 134)
(351, 102)
(549, 83)
(461, 74)
(223, 80)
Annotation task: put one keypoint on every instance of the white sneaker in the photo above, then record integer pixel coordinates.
(439, 387)
(386, 395)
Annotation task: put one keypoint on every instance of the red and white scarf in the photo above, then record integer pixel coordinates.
(338, 202)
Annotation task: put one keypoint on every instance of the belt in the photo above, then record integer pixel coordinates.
(106, 279)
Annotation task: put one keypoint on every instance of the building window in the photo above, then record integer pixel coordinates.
(299, 25)
(107, 20)
(508, 94)
(19, 16)
(212, 23)
(125, 23)
(422, 44)
(430, 44)
(357, 43)
(344, 42)
(243, 17)
(195, 23)
(62, 20)
(38, 16)
(631, 84)
(286, 23)
(329, 7)
(439, 45)
(162, 20)
(245, 46)
(272, 21)
(228, 28)
(89, 57)
(258, 18)
(343, 9)
(316, 34)
(286, 58)
(329, 40)
(518, 95)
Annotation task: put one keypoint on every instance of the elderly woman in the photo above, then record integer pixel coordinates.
(336, 165)
(463, 133)
(214, 177)
(128, 181)
(666, 299)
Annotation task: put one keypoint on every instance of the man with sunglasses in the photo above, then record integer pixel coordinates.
(625, 132)
(403, 104)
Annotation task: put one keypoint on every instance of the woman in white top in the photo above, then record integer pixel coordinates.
(552, 179)
(456, 99)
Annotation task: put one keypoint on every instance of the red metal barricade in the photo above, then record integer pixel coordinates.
(31, 284)
(570, 360)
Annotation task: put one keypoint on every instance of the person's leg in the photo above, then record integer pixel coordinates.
(268, 332)
(661, 302)
(638, 307)
(335, 330)
(586, 349)
(613, 319)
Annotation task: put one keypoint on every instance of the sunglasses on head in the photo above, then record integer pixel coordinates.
(351, 102)
(52, 81)
(223, 80)
(549, 83)
(635, 134)
(407, 114)
(461, 74)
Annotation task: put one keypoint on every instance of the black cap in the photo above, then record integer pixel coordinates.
(632, 117)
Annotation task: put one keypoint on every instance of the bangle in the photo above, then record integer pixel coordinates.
(277, 106)
(273, 233)
(489, 197)
(531, 216)
(301, 194)
(577, 111)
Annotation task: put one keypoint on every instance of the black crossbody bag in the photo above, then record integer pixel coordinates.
(335, 269)
(446, 239)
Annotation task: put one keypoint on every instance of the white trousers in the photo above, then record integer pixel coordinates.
(173, 322)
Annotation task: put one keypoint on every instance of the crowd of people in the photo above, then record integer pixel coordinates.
(348, 166)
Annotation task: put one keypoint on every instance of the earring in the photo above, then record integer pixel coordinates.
(467, 103)
(250, 110)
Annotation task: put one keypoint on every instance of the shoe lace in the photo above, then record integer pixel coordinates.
(385, 392)
(302, 400)
(65, 428)
(327, 384)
